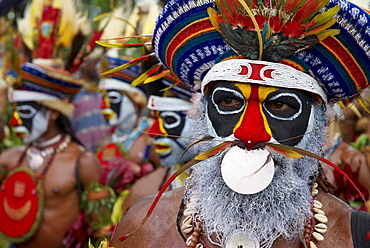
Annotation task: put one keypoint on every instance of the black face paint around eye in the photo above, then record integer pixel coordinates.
(27, 112)
(115, 99)
(288, 112)
(224, 106)
(173, 122)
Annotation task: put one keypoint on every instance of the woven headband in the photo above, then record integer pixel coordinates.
(264, 73)
(168, 104)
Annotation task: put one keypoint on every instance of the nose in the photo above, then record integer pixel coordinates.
(156, 129)
(104, 103)
(107, 112)
(253, 129)
(16, 120)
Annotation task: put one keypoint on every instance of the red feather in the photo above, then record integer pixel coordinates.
(312, 155)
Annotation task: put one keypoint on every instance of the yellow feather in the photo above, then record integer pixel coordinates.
(67, 27)
(212, 17)
(342, 105)
(362, 103)
(322, 28)
(326, 33)
(156, 77)
(25, 28)
(110, 45)
(323, 18)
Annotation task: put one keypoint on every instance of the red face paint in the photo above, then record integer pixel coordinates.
(252, 127)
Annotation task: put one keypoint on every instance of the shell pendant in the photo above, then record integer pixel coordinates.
(241, 239)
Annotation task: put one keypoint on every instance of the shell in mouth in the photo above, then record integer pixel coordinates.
(247, 172)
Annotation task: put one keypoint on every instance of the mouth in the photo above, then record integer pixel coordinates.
(21, 132)
(108, 114)
(162, 148)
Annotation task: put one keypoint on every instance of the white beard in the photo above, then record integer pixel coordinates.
(279, 210)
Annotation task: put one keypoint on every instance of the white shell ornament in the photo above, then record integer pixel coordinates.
(247, 172)
(240, 238)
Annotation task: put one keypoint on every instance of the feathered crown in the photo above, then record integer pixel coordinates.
(49, 28)
(328, 39)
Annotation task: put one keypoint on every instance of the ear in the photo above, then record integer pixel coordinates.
(53, 115)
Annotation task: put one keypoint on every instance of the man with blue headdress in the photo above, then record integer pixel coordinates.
(268, 72)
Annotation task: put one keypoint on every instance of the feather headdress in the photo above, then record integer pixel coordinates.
(272, 30)
(50, 26)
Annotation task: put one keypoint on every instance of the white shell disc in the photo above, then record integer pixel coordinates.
(240, 238)
(35, 161)
(247, 172)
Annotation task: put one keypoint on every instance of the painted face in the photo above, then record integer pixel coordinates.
(171, 148)
(119, 110)
(255, 114)
(30, 120)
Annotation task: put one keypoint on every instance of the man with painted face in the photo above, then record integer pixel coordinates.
(170, 131)
(122, 107)
(267, 72)
(39, 198)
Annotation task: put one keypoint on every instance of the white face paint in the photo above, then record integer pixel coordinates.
(35, 121)
(126, 116)
(171, 148)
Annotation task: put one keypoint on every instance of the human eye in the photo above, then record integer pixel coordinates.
(227, 101)
(284, 106)
(114, 97)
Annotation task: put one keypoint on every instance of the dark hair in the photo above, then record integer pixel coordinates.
(65, 124)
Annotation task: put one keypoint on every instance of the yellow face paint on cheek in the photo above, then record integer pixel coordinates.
(17, 118)
(246, 91)
(263, 92)
(161, 126)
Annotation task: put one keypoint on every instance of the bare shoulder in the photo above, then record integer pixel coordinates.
(9, 157)
(88, 164)
(150, 183)
(160, 228)
(146, 185)
(338, 214)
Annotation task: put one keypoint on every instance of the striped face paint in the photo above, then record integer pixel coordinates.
(119, 110)
(30, 120)
(171, 148)
(255, 114)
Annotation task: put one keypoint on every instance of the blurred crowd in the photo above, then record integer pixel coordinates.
(81, 141)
